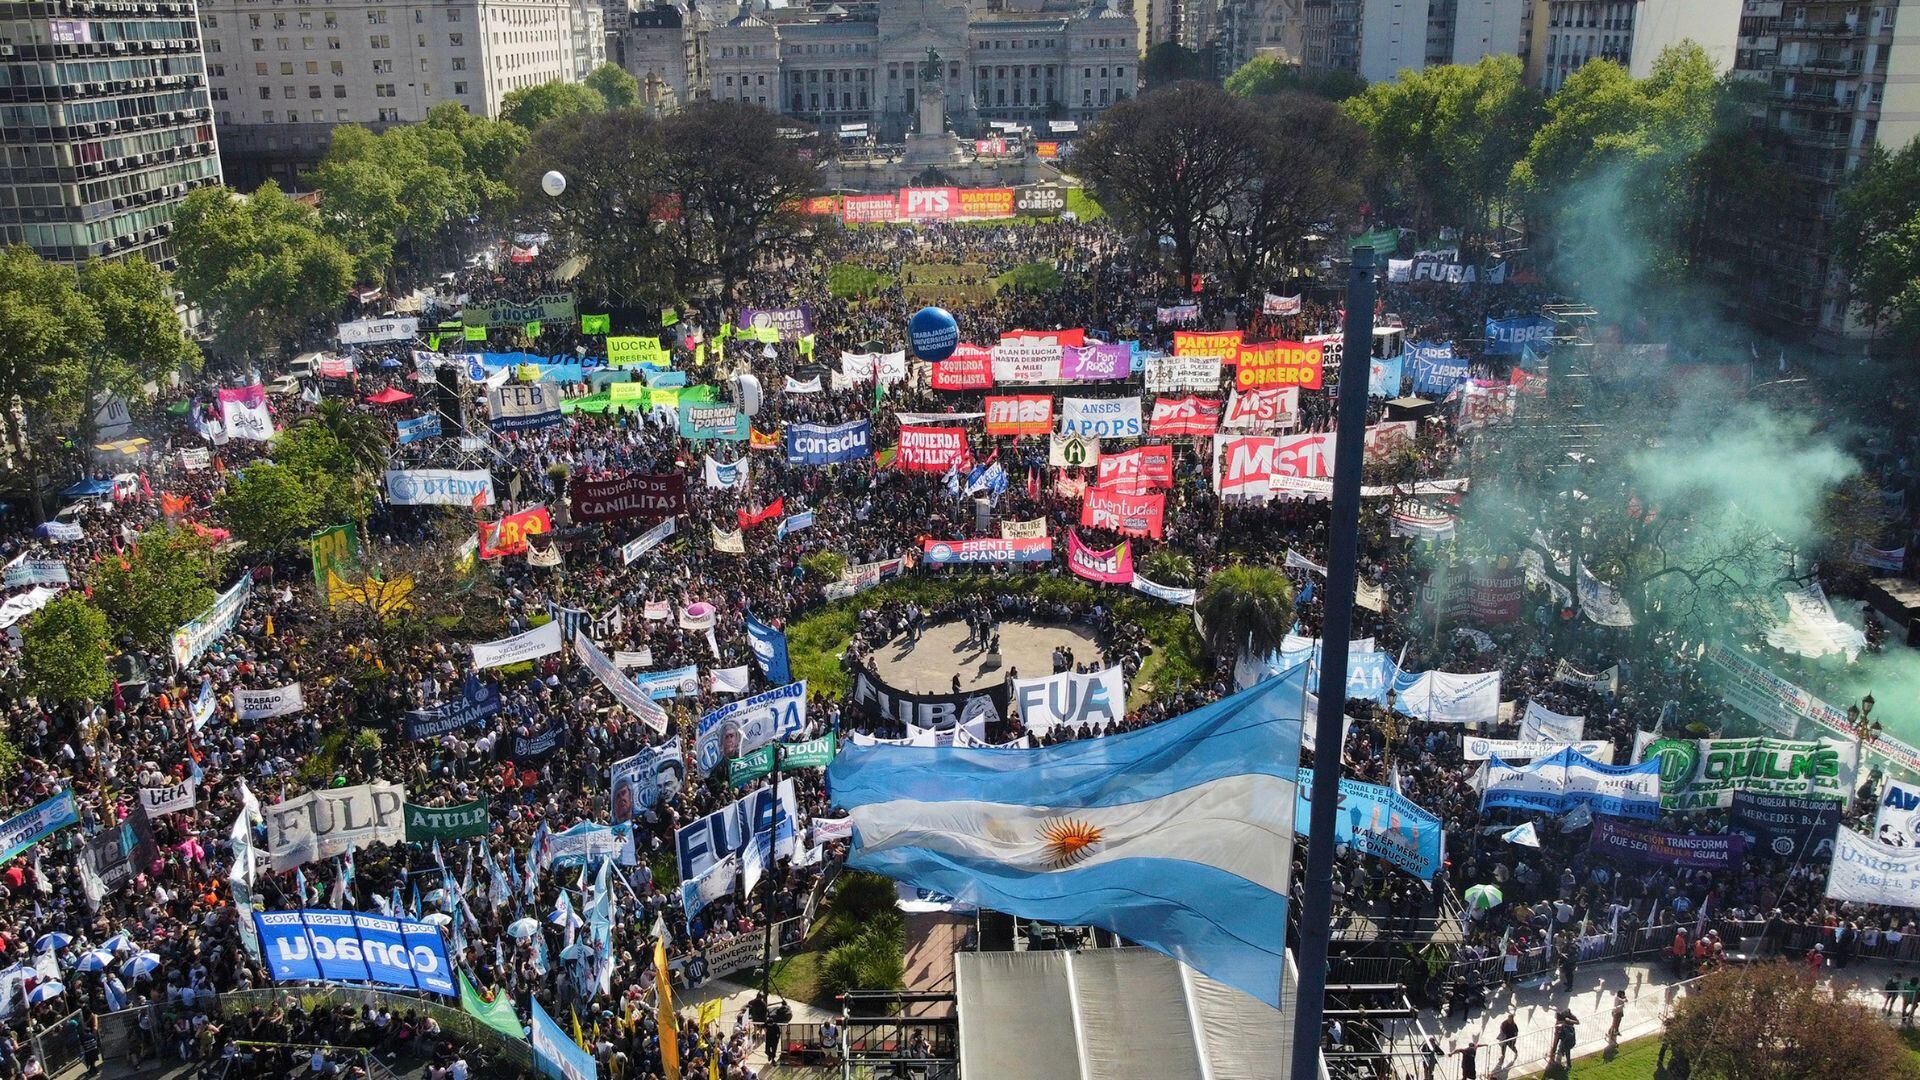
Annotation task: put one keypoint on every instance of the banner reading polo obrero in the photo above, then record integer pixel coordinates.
(819, 444)
(523, 406)
(746, 725)
(983, 552)
(1124, 513)
(1278, 363)
(243, 413)
(439, 487)
(1113, 566)
(1870, 873)
(1184, 416)
(1177, 836)
(325, 823)
(930, 449)
(193, 638)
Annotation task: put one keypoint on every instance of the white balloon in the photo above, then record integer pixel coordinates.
(746, 393)
(554, 182)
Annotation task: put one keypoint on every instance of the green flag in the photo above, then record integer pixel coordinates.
(497, 1014)
(596, 324)
(668, 316)
(808, 754)
(426, 824)
(433, 342)
(726, 330)
(533, 329)
(476, 333)
(806, 345)
(765, 335)
(879, 391)
(750, 767)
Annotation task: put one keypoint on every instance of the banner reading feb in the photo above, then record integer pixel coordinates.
(1280, 363)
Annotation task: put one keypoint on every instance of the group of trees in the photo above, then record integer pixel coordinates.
(1877, 236)
(1236, 182)
(665, 208)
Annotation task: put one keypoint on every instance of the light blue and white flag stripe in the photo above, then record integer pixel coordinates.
(1178, 836)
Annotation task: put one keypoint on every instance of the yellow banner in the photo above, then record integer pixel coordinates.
(383, 598)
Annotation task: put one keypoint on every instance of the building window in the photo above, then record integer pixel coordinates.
(379, 41)
(266, 115)
(213, 45)
(313, 67)
(796, 102)
(313, 91)
(459, 88)
(388, 116)
(330, 21)
(253, 22)
(339, 90)
(459, 63)
(211, 22)
(456, 40)
(259, 44)
(336, 67)
(259, 67)
(1086, 96)
(340, 115)
(333, 43)
(266, 93)
(376, 18)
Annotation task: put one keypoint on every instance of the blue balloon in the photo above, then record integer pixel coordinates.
(933, 333)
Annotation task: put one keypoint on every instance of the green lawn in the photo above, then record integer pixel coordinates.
(796, 976)
(1632, 1061)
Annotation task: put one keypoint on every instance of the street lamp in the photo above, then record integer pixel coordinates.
(1390, 728)
(1860, 717)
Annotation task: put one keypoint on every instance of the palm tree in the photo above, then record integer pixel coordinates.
(357, 432)
(1169, 567)
(1246, 609)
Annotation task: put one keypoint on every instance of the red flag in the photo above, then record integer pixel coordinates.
(774, 509)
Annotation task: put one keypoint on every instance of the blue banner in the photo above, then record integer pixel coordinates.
(769, 650)
(1375, 820)
(671, 683)
(555, 1052)
(1383, 377)
(664, 379)
(818, 444)
(710, 421)
(1568, 778)
(1436, 371)
(478, 700)
(1509, 337)
(316, 944)
(420, 427)
(26, 829)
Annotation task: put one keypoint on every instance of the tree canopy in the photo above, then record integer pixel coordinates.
(1877, 236)
(159, 582)
(616, 88)
(1246, 609)
(261, 265)
(64, 652)
(1772, 1022)
(1264, 76)
(532, 106)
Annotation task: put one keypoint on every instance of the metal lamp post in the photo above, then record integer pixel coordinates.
(1343, 543)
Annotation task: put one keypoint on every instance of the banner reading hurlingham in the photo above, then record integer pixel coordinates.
(322, 824)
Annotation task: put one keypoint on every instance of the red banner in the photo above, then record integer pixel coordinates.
(773, 509)
(1123, 512)
(855, 209)
(1113, 566)
(1137, 471)
(1494, 591)
(1279, 363)
(633, 495)
(1261, 410)
(931, 449)
(508, 536)
(1184, 416)
(1046, 151)
(928, 203)
(823, 205)
(969, 368)
(1248, 465)
(1020, 414)
(1224, 344)
(1387, 439)
(1076, 337)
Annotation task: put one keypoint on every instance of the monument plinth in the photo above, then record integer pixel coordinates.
(930, 143)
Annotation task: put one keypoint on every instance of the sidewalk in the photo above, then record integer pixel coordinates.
(1651, 988)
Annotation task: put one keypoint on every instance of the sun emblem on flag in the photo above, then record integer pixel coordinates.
(1069, 841)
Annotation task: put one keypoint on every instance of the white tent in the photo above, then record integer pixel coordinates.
(1112, 1014)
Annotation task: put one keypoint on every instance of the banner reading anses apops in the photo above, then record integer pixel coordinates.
(348, 946)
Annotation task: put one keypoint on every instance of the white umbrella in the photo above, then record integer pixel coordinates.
(44, 991)
(118, 943)
(523, 928)
(93, 960)
(50, 942)
(437, 918)
(576, 950)
(141, 964)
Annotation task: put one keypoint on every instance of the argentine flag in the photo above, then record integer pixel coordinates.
(1178, 836)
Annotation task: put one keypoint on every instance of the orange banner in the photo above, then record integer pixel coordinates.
(1280, 363)
(508, 536)
(1224, 344)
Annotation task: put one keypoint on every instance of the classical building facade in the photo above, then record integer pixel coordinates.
(832, 67)
(285, 75)
(105, 125)
(664, 47)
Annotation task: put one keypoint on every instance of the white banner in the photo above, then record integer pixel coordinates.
(1475, 748)
(325, 823)
(1261, 410)
(1164, 592)
(1071, 699)
(1107, 418)
(1073, 451)
(439, 487)
(1543, 725)
(1023, 530)
(1166, 374)
(1026, 361)
(538, 642)
(732, 474)
(1443, 697)
(731, 541)
(25, 571)
(372, 331)
(646, 542)
(246, 419)
(627, 661)
(160, 801)
(1898, 822)
(192, 639)
(519, 406)
(795, 386)
(1871, 873)
(265, 704)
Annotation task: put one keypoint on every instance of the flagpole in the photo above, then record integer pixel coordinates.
(1316, 916)
(772, 867)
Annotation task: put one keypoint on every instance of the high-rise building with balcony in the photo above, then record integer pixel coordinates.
(105, 125)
